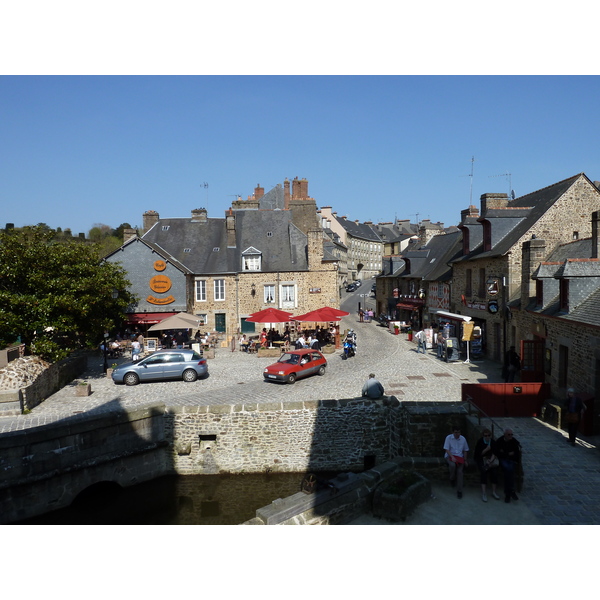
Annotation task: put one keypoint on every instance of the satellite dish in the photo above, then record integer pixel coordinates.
(512, 194)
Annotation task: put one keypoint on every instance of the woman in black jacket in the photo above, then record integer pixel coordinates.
(487, 463)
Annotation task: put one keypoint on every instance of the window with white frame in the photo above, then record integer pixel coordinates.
(251, 263)
(200, 290)
(288, 296)
(219, 289)
(269, 296)
(251, 259)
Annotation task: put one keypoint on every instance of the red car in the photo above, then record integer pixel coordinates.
(295, 364)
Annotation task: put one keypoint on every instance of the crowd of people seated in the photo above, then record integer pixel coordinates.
(308, 338)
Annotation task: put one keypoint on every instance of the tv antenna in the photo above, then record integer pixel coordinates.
(471, 176)
(511, 192)
(205, 186)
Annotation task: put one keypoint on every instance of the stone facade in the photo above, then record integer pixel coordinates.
(565, 218)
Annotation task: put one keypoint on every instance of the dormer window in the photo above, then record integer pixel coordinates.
(251, 260)
(564, 295)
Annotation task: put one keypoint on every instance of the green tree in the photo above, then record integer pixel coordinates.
(57, 295)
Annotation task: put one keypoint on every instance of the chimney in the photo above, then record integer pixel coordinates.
(315, 249)
(472, 211)
(199, 215)
(595, 234)
(427, 231)
(286, 193)
(129, 233)
(259, 192)
(532, 254)
(490, 201)
(230, 224)
(150, 218)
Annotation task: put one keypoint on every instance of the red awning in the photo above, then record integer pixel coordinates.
(406, 306)
(147, 318)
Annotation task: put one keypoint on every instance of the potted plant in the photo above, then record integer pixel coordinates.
(110, 369)
(396, 329)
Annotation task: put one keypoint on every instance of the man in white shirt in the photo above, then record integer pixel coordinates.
(456, 455)
(421, 341)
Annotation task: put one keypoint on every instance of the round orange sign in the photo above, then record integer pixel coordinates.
(160, 265)
(160, 284)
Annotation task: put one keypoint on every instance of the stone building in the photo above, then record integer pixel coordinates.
(268, 250)
(488, 276)
(364, 246)
(557, 316)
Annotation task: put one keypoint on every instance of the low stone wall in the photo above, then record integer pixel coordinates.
(349, 496)
(47, 381)
(326, 435)
(44, 468)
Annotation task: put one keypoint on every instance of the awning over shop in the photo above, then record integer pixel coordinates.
(147, 318)
(403, 306)
(449, 315)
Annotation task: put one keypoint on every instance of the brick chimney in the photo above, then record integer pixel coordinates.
(230, 224)
(315, 249)
(595, 234)
(150, 218)
(199, 215)
(490, 201)
(286, 193)
(472, 211)
(129, 233)
(259, 192)
(533, 253)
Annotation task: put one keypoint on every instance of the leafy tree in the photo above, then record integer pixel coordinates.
(57, 294)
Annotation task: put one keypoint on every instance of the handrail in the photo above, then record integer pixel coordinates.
(469, 400)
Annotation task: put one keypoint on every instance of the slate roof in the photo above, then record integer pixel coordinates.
(571, 261)
(511, 223)
(359, 230)
(202, 246)
(430, 262)
(160, 251)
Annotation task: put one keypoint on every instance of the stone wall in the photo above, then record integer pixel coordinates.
(44, 468)
(28, 381)
(326, 435)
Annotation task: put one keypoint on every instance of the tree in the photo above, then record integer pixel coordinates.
(56, 294)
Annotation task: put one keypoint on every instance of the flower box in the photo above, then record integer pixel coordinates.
(397, 498)
(83, 389)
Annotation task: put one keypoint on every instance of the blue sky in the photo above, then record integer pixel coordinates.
(81, 150)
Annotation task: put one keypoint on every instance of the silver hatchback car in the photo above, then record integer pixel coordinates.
(164, 364)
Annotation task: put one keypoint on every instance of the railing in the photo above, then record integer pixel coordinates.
(481, 412)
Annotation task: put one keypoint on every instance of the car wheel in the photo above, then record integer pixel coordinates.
(131, 379)
(291, 378)
(322, 370)
(190, 375)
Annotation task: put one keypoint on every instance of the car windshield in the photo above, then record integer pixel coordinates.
(292, 359)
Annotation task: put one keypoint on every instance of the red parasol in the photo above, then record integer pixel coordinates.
(270, 315)
(322, 315)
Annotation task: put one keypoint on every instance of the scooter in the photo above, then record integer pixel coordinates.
(349, 349)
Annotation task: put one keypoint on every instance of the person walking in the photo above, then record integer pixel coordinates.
(456, 454)
(372, 388)
(421, 341)
(512, 364)
(440, 342)
(487, 462)
(508, 451)
(574, 408)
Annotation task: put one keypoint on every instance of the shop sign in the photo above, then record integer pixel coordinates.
(160, 265)
(493, 306)
(160, 301)
(160, 284)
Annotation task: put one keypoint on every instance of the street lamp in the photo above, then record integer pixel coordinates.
(115, 295)
(104, 345)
